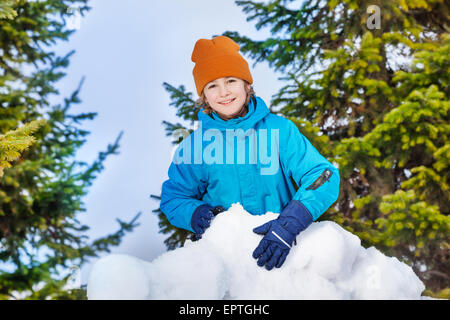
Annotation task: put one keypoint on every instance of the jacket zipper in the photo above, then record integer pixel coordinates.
(324, 176)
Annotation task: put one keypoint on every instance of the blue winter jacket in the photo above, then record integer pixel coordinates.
(249, 160)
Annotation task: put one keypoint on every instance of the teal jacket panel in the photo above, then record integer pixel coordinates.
(249, 160)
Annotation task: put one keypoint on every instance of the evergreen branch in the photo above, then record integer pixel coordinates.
(6, 10)
(13, 143)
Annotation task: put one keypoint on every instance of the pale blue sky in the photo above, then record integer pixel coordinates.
(126, 52)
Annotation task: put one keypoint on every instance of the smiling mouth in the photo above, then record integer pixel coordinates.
(225, 103)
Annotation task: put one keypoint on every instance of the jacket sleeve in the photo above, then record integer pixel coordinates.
(317, 178)
(181, 194)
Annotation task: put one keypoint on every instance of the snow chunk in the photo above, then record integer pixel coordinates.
(119, 277)
(328, 262)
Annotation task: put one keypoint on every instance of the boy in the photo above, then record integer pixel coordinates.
(208, 178)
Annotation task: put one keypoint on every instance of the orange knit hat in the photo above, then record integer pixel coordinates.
(218, 58)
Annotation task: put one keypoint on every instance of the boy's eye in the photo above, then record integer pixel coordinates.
(213, 85)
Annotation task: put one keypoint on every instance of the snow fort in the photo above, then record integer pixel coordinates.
(328, 262)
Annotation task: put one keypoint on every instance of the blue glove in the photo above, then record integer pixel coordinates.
(202, 216)
(280, 233)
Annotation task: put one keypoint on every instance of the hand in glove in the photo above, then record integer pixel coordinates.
(202, 216)
(280, 233)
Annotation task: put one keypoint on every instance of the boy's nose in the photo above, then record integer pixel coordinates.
(223, 90)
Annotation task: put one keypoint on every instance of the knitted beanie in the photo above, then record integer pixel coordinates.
(218, 58)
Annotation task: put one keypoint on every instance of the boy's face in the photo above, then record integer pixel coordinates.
(226, 95)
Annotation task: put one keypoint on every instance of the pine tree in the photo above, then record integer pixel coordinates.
(14, 142)
(188, 111)
(372, 98)
(41, 191)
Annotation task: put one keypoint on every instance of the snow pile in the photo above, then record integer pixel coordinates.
(328, 262)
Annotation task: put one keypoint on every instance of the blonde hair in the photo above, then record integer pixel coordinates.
(201, 102)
